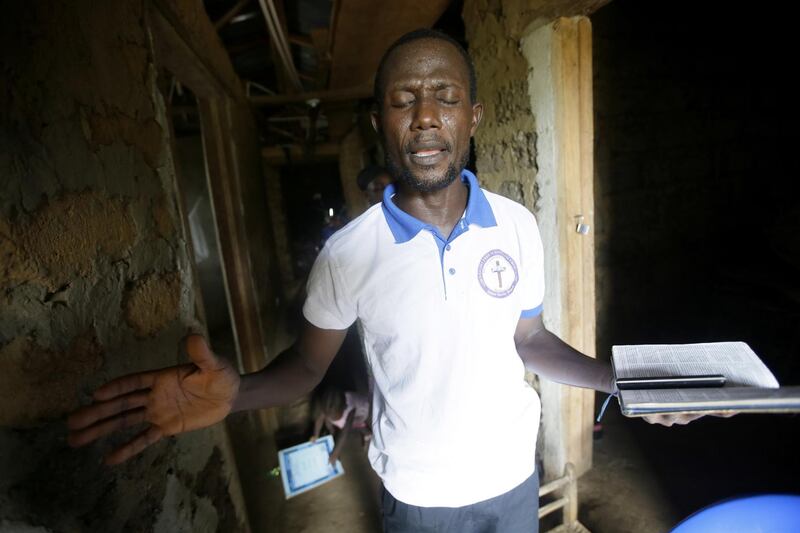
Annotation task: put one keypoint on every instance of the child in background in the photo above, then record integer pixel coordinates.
(342, 413)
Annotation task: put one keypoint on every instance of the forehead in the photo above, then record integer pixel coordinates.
(426, 58)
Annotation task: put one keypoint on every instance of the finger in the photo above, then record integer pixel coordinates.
(124, 385)
(146, 438)
(88, 415)
(200, 354)
(106, 427)
(689, 418)
(658, 419)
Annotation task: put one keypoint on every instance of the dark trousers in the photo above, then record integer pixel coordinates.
(516, 511)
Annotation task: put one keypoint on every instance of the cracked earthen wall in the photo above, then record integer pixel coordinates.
(95, 279)
(505, 143)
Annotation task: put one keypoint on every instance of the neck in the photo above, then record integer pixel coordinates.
(442, 208)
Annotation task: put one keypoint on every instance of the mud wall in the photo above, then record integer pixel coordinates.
(95, 278)
(505, 143)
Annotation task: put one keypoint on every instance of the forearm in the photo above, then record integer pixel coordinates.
(548, 356)
(318, 425)
(341, 438)
(284, 380)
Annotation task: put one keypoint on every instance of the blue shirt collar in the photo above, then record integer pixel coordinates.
(405, 227)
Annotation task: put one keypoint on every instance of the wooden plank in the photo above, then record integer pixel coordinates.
(225, 190)
(355, 53)
(339, 95)
(232, 12)
(589, 317)
(574, 139)
(186, 43)
(281, 50)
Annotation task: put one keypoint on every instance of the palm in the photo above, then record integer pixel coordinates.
(171, 401)
(187, 397)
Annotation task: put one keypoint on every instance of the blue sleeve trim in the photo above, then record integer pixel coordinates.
(531, 313)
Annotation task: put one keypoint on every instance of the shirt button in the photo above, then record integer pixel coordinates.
(447, 247)
(452, 271)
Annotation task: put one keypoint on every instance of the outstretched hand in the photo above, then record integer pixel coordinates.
(171, 401)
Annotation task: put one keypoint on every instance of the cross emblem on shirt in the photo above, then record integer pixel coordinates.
(499, 271)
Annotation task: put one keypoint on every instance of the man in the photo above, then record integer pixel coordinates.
(372, 181)
(447, 281)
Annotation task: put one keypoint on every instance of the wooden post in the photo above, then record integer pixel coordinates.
(223, 184)
(561, 98)
(572, 56)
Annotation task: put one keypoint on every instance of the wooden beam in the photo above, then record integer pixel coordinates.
(276, 25)
(560, 82)
(337, 95)
(187, 45)
(572, 57)
(232, 12)
(355, 53)
(226, 193)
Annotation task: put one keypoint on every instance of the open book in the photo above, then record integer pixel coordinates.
(749, 387)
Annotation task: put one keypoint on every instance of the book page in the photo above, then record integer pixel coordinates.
(734, 360)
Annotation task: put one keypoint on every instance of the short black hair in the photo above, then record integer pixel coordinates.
(368, 174)
(423, 33)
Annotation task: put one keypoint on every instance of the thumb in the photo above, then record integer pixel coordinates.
(200, 353)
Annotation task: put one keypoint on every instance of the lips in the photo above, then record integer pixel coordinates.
(427, 152)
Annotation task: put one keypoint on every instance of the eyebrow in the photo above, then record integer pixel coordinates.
(438, 85)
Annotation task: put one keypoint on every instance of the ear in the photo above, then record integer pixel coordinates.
(376, 121)
(477, 115)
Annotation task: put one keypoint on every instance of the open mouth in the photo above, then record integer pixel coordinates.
(428, 152)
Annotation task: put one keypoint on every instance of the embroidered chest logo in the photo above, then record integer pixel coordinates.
(498, 274)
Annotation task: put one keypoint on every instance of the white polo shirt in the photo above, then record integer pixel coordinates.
(454, 421)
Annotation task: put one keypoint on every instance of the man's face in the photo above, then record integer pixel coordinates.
(426, 119)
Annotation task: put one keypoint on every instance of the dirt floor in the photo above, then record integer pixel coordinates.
(348, 504)
(619, 495)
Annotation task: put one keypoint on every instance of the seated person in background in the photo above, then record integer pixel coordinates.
(341, 412)
(372, 180)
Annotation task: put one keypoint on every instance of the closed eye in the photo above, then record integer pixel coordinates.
(448, 96)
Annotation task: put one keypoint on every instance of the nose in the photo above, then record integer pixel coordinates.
(426, 114)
